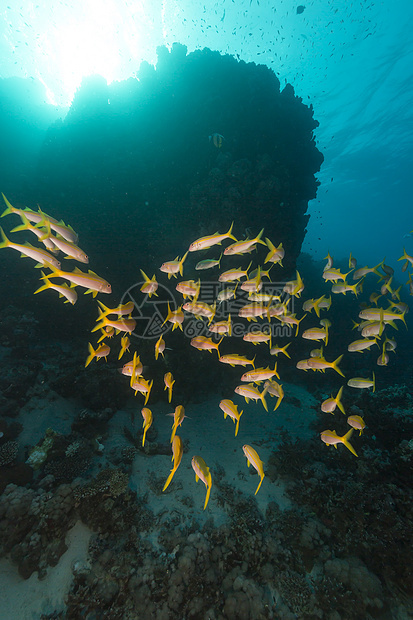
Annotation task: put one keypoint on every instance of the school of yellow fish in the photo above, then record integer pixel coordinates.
(56, 237)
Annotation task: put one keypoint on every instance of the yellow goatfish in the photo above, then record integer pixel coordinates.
(132, 368)
(275, 389)
(320, 363)
(208, 263)
(42, 257)
(275, 254)
(360, 383)
(169, 381)
(121, 310)
(121, 325)
(202, 473)
(249, 391)
(313, 304)
(179, 416)
(276, 350)
(67, 247)
(233, 274)
(103, 350)
(334, 275)
(254, 460)
(256, 337)
(221, 327)
(316, 333)
(90, 280)
(189, 288)
(357, 422)
(200, 309)
(177, 452)
(124, 346)
(329, 405)
(144, 387)
(231, 410)
(207, 242)
(406, 257)
(260, 374)
(203, 343)
(332, 439)
(150, 285)
(176, 317)
(360, 345)
(159, 347)
(233, 359)
(60, 227)
(147, 421)
(290, 319)
(172, 267)
(241, 247)
(62, 289)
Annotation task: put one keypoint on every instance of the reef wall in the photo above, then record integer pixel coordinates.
(133, 160)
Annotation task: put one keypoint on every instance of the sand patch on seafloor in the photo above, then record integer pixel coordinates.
(212, 438)
(27, 599)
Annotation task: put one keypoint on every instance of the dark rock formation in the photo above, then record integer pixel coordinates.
(134, 164)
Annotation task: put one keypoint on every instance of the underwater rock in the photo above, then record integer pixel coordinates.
(154, 140)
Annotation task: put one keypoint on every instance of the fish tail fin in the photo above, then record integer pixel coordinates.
(229, 325)
(285, 350)
(144, 276)
(346, 442)
(374, 382)
(45, 286)
(105, 310)
(247, 269)
(208, 493)
(335, 365)
(168, 480)
(275, 370)
(10, 208)
(4, 241)
(278, 403)
(258, 238)
(148, 392)
(262, 396)
(253, 361)
(90, 356)
(271, 248)
(181, 263)
(230, 235)
(237, 424)
(260, 483)
(144, 436)
(24, 226)
(168, 316)
(338, 400)
(173, 432)
(218, 346)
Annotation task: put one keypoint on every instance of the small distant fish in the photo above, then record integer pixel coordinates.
(208, 263)
(236, 360)
(300, 9)
(217, 140)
